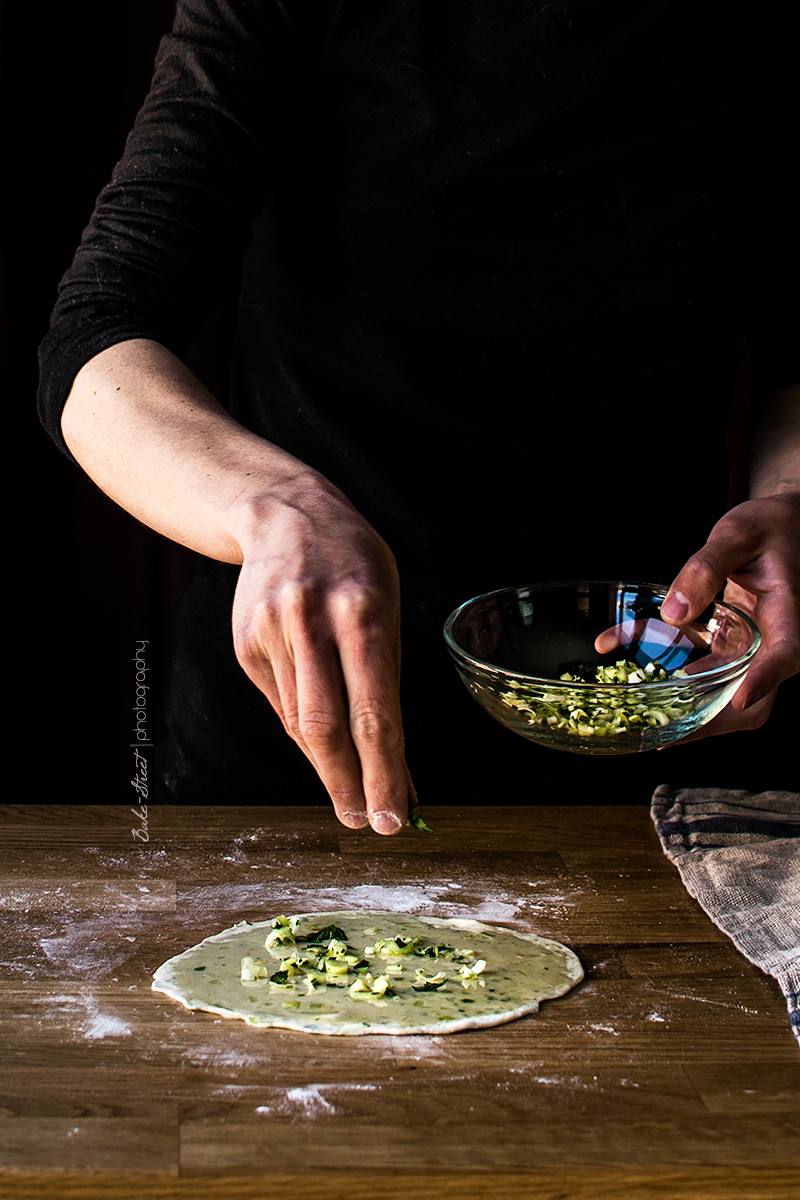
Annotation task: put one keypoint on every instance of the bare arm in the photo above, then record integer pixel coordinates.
(775, 461)
(316, 613)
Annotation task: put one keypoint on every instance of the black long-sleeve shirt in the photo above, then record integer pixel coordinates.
(495, 260)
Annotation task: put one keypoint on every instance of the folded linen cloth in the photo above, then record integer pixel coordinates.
(739, 856)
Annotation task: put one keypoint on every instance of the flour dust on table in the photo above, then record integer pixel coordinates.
(368, 972)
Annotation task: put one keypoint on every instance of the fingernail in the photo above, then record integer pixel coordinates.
(675, 608)
(385, 821)
(355, 820)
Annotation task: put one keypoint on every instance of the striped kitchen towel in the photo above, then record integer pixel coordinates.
(739, 856)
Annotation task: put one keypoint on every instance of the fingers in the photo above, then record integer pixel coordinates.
(329, 665)
(693, 589)
(731, 720)
(730, 547)
(608, 640)
(315, 707)
(659, 637)
(369, 658)
(779, 655)
(348, 713)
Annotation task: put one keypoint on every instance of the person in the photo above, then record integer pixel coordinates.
(492, 267)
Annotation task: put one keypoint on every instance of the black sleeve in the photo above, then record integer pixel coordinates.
(170, 228)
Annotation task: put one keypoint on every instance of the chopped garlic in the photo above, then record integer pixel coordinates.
(253, 968)
(467, 973)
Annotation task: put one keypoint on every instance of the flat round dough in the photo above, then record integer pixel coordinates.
(520, 970)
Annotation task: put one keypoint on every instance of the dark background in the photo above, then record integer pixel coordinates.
(82, 580)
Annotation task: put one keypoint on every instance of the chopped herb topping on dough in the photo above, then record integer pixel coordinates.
(324, 958)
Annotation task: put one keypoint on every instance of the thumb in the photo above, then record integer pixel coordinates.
(733, 542)
(694, 587)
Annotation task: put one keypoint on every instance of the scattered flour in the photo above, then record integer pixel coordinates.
(94, 946)
(418, 899)
(222, 1058)
(307, 1103)
(102, 1025)
(223, 900)
(32, 894)
(92, 1023)
(716, 1003)
(572, 1081)
(409, 1047)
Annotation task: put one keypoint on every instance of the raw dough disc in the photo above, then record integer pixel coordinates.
(521, 970)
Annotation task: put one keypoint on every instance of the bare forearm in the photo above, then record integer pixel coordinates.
(315, 619)
(149, 434)
(775, 459)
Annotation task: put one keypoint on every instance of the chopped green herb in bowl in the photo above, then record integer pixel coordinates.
(528, 656)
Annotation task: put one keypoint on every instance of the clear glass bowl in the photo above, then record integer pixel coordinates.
(511, 648)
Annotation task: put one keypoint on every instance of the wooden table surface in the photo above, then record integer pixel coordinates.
(670, 1071)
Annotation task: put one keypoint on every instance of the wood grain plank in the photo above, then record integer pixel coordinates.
(90, 1143)
(245, 1147)
(486, 830)
(674, 1050)
(323, 1184)
(743, 1087)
